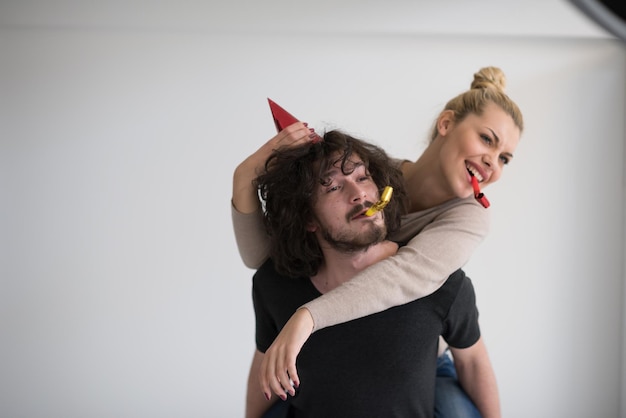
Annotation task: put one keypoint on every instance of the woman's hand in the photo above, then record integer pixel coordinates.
(245, 197)
(278, 369)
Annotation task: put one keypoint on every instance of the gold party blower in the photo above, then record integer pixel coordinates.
(385, 197)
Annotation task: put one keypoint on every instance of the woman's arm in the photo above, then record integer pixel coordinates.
(451, 234)
(251, 237)
(417, 270)
(247, 216)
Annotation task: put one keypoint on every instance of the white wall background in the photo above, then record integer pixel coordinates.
(121, 290)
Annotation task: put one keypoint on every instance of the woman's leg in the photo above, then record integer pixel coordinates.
(451, 401)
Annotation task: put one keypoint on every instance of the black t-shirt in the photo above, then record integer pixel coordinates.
(382, 365)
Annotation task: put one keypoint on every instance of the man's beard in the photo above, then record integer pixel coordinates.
(353, 242)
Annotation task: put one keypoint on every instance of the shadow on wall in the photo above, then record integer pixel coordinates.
(606, 13)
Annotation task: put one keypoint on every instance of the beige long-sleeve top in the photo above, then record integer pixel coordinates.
(440, 240)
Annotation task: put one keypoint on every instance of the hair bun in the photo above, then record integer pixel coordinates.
(489, 77)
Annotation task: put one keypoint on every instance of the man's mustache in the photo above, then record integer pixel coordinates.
(358, 209)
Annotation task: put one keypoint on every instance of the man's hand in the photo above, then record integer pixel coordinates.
(278, 372)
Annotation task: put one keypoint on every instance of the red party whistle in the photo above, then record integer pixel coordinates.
(282, 119)
(478, 195)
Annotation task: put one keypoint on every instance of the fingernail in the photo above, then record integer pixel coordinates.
(315, 138)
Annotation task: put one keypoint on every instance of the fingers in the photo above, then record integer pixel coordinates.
(293, 375)
(313, 136)
(278, 372)
(276, 378)
(274, 375)
(296, 134)
(283, 385)
(265, 371)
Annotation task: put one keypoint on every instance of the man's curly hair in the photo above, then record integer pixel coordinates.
(287, 190)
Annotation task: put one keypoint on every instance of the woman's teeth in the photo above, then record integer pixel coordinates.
(475, 173)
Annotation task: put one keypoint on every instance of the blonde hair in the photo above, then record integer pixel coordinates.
(487, 87)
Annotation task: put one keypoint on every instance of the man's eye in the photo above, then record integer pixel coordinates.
(332, 189)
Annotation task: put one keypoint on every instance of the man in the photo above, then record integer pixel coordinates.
(384, 364)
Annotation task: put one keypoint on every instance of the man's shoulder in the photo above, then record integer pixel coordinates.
(459, 281)
(267, 279)
(267, 271)
(457, 288)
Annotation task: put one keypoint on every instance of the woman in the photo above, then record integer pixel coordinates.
(475, 135)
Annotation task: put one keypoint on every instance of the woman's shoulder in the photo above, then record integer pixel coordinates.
(465, 213)
(454, 207)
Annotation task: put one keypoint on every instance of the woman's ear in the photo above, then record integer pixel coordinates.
(445, 122)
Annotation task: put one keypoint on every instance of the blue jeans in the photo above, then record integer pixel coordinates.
(451, 401)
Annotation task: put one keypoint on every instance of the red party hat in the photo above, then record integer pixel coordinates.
(282, 118)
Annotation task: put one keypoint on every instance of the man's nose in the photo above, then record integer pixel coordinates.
(357, 193)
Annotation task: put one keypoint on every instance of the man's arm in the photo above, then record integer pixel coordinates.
(477, 378)
(256, 404)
